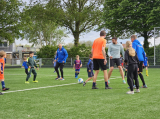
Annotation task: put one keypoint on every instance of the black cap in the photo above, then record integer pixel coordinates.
(31, 52)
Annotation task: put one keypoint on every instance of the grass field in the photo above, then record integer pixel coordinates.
(54, 100)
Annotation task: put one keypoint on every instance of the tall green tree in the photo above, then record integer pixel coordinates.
(38, 29)
(78, 16)
(128, 16)
(10, 24)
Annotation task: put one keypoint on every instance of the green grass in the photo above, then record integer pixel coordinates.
(75, 101)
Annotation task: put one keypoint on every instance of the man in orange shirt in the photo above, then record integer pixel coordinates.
(99, 59)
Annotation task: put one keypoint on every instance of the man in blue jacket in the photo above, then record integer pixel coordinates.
(62, 57)
(141, 56)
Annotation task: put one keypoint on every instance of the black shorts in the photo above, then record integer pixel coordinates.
(26, 71)
(140, 66)
(99, 63)
(115, 61)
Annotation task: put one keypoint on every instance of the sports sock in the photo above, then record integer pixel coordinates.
(106, 84)
(142, 79)
(75, 74)
(94, 84)
(147, 72)
(3, 84)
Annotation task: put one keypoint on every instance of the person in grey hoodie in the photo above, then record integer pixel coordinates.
(114, 51)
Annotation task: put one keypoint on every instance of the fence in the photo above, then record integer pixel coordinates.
(48, 62)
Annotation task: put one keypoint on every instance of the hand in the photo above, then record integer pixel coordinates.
(54, 61)
(110, 57)
(143, 65)
(73, 67)
(89, 70)
(63, 61)
(105, 62)
(37, 68)
(29, 66)
(148, 64)
(138, 69)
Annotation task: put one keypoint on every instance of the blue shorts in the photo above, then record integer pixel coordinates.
(90, 74)
(77, 70)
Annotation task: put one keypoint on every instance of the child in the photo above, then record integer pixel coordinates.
(31, 64)
(146, 64)
(89, 70)
(132, 60)
(25, 65)
(54, 62)
(2, 65)
(121, 60)
(77, 66)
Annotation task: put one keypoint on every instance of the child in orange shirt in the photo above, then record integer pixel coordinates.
(2, 65)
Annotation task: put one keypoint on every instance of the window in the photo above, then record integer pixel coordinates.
(4, 44)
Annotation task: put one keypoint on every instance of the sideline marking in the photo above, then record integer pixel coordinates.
(47, 87)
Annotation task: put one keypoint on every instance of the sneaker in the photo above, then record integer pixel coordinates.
(27, 82)
(108, 87)
(76, 76)
(35, 81)
(57, 78)
(147, 75)
(1, 93)
(94, 87)
(137, 91)
(145, 86)
(62, 79)
(124, 81)
(4, 89)
(130, 92)
(84, 83)
(108, 81)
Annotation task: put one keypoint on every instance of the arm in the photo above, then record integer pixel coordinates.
(0, 67)
(81, 64)
(74, 64)
(89, 66)
(126, 56)
(56, 56)
(35, 64)
(122, 51)
(109, 51)
(66, 55)
(28, 63)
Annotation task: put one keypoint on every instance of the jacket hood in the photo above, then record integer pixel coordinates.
(136, 41)
(62, 48)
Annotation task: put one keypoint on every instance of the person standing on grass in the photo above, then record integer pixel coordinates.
(77, 65)
(31, 65)
(132, 60)
(54, 63)
(146, 65)
(89, 69)
(141, 56)
(62, 56)
(99, 59)
(114, 54)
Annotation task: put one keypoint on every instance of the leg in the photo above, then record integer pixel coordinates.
(35, 74)
(28, 75)
(110, 72)
(135, 74)
(121, 72)
(56, 68)
(129, 78)
(141, 77)
(61, 69)
(88, 79)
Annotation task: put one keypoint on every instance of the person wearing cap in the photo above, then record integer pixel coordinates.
(31, 65)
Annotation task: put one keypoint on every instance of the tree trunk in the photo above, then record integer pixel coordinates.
(76, 38)
(146, 43)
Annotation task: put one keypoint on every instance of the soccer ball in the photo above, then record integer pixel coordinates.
(80, 80)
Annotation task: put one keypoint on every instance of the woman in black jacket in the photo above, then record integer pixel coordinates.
(132, 60)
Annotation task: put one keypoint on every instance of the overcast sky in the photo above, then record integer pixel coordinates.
(91, 36)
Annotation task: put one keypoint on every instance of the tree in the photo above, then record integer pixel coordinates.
(128, 16)
(39, 30)
(10, 25)
(78, 16)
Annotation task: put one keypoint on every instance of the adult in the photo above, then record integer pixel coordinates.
(62, 56)
(99, 59)
(114, 51)
(141, 56)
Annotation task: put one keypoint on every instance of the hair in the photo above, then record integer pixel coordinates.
(77, 56)
(103, 33)
(134, 36)
(24, 58)
(90, 55)
(130, 49)
(2, 53)
(114, 38)
(31, 52)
